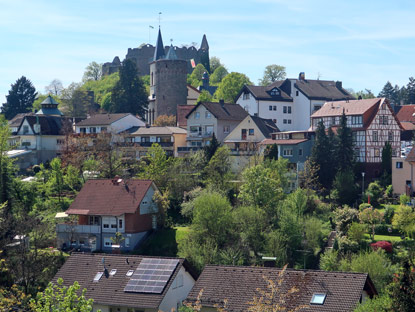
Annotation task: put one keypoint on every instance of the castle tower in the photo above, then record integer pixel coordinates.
(168, 82)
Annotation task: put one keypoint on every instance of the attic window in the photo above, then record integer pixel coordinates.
(129, 273)
(318, 299)
(98, 277)
(113, 271)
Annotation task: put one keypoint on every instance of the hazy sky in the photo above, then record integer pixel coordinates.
(362, 43)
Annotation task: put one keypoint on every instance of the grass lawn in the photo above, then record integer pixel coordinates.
(164, 242)
(388, 238)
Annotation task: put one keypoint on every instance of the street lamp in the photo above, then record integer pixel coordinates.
(363, 184)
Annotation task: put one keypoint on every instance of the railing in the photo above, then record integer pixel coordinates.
(236, 152)
(186, 149)
(85, 229)
(144, 144)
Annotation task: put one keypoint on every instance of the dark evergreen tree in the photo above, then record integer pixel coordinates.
(403, 95)
(320, 156)
(389, 92)
(345, 190)
(271, 152)
(403, 290)
(129, 94)
(345, 148)
(20, 98)
(410, 91)
(386, 165)
(210, 149)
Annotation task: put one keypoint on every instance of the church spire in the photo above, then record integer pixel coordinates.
(204, 45)
(159, 51)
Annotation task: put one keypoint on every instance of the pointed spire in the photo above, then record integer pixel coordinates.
(171, 54)
(159, 51)
(204, 45)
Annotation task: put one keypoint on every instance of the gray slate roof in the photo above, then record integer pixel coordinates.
(266, 126)
(263, 92)
(109, 290)
(101, 119)
(49, 125)
(223, 111)
(325, 90)
(238, 286)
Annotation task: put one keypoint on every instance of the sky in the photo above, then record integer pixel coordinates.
(362, 43)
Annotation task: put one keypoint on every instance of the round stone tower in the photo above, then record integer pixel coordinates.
(168, 83)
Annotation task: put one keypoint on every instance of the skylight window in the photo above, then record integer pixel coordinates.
(98, 277)
(129, 273)
(318, 299)
(113, 271)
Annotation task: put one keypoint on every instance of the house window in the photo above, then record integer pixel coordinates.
(274, 107)
(226, 129)
(82, 130)
(284, 121)
(196, 143)
(195, 130)
(92, 130)
(399, 164)
(251, 131)
(289, 121)
(208, 130)
(317, 107)
(289, 109)
(103, 129)
(318, 299)
(333, 120)
(383, 120)
(246, 96)
(270, 107)
(296, 93)
(390, 136)
(60, 141)
(288, 152)
(106, 226)
(208, 114)
(377, 152)
(284, 109)
(120, 223)
(93, 220)
(197, 115)
(375, 136)
(107, 242)
(300, 152)
(25, 129)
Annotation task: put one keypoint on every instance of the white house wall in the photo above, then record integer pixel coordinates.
(117, 126)
(147, 205)
(250, 105)
(175, 295)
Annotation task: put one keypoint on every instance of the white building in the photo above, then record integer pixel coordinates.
(109, 123)
(291, 102)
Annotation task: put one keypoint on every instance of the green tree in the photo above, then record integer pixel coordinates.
(129, 94)
(345, 146)
(92, 72)
(364, 94)
(217, 172)
(20, 98)
(386, 164)
(205, 96)
(375, 192)
(230, 86)
(403, 290)
(345, 190)
(391, 93)
(75, 101)
(380, 303)
(272, 73)
(218, 75)
(59, 298)
(211, 149)
(102, 89)
(357, 232)
(271, 152)
(54, 88)
(371, 217)
(410, 91)
(215, 63)
(344, 218)
(55, 184)
(196, 76)
(155, 166)
(404, 220)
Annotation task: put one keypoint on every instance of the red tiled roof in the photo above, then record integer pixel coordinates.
(283, 142)
(406, 125)
(109, 290)
(105, 197)
(355, 107)
(411, 155)
(239, 285)
(406, 113)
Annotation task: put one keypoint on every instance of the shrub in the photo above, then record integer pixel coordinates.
(404, 199)
(363, 206)
(386, 246)
(388, 215)
(357, 231)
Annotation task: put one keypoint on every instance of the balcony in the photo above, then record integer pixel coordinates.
(236, 152)
(187, 149)
(144, 144)
(80, 229)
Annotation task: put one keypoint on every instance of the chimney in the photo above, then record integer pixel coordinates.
(222, 102)
(269, 262)
(301, 76)
(339, 85)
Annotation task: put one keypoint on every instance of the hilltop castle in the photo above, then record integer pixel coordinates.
(144, 55)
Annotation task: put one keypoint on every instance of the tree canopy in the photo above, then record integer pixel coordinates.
(272, 73)
(20, 98)
(230, 86)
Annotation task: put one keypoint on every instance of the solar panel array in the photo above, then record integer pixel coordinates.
(151, 275)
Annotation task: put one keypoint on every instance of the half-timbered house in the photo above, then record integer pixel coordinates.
(373, 123)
